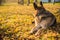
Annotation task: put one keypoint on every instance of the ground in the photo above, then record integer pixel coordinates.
(16, 22)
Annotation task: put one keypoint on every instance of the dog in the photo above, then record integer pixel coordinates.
(43, 18)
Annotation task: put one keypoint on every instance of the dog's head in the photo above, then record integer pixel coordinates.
(39, 9)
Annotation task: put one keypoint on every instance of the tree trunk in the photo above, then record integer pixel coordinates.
(54, 2)
(18, 2)
(21, 2)
(49, 0)
(0, 2)
(35, 1)
(28, 2)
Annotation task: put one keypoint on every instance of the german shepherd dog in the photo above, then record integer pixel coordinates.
(43, 18)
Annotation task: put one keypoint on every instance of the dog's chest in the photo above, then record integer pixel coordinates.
(42, 19)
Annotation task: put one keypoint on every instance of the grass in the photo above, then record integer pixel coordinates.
(16, 21)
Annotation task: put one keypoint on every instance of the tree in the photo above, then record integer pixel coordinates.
(21, 2)
(0, 2)
(49, 0)
(35, 1)
(54, 2)
(18, 1)
(28, 2)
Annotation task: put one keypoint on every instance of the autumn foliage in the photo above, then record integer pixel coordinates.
(16, 22)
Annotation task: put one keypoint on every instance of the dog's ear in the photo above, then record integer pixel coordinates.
(35, 5)
(41, 3)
